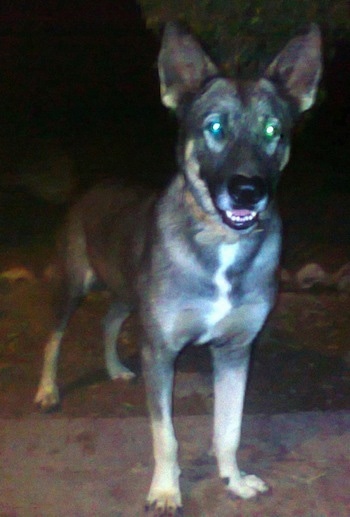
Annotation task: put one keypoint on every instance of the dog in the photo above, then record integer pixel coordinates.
(196, 262)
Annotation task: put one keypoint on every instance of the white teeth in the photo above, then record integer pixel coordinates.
(240, 218)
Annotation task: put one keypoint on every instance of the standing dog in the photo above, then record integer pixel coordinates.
(197, 262)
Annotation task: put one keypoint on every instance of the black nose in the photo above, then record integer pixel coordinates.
(246, 192)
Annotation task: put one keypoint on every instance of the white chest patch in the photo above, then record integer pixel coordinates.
(221, 306)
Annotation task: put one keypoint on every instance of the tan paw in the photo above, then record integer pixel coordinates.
(166, 504)
(247, 486)
(47, 397)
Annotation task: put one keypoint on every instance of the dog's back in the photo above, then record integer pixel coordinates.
(104, 237)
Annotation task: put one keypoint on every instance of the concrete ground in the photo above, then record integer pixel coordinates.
(89, 467)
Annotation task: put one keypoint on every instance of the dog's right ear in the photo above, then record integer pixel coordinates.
(182, 65)
(297, 69)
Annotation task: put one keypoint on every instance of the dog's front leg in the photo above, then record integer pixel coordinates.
(230, 375)
(164, 497)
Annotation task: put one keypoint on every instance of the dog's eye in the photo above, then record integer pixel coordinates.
(215, 128)
(272, 129)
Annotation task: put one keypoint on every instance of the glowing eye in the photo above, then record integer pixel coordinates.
(272, 128)
(216, 129)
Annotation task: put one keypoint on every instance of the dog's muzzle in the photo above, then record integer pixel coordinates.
(245, 199)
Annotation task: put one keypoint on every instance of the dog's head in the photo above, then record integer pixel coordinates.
(235, 135)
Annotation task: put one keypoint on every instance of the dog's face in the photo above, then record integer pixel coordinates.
(235, 136)
(240, 135)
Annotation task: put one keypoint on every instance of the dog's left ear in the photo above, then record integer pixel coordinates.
(297, 69)
(182, 65)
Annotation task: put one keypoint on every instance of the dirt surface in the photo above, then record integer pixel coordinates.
(300, 362)
(102, 466)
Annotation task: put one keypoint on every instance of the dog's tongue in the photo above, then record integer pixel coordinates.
(240, 212)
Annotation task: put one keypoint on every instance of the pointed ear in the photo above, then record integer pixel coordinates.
(182, 65)
(297, 69)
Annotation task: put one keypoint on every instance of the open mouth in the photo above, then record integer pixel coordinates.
(240, 219)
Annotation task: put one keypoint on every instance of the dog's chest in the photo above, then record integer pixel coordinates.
(221, 305)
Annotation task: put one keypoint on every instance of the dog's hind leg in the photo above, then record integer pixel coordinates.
(47, 396)
(112, 325)
(69, 293)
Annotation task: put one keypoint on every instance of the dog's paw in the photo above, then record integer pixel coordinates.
(246, 486)
(164, 504)
(47, 398)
